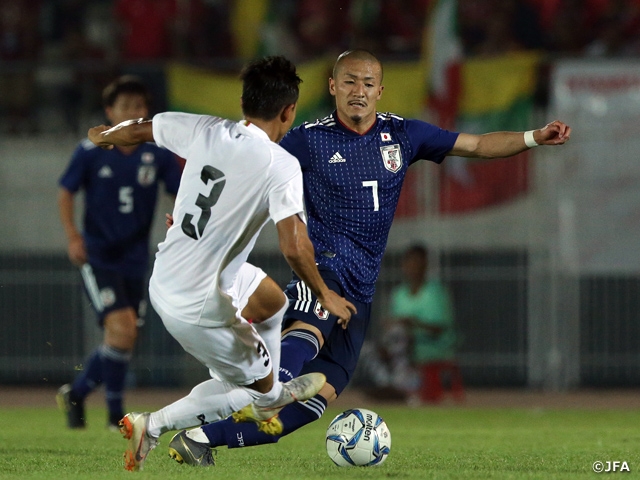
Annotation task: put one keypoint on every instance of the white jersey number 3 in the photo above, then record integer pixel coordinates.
(374, 187)
(204, 203)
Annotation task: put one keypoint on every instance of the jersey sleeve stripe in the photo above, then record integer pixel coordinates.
(304, 298)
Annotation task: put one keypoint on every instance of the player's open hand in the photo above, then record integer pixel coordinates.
(338, 306)
(554, 133)
(95, 135)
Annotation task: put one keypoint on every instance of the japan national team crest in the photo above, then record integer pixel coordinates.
(391, 157)
(108, 296)
(320, 312)
(146, 175)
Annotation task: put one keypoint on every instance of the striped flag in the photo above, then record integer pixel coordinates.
(495, 94)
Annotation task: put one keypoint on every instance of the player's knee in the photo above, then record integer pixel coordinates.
(120, 329)
(265, 302)
(300, 325)
(328, 392)
(264, 385)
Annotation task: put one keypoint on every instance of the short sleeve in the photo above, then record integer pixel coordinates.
(286, 193)
(428, 141)
(73, 177)
(295, 142)
(177, 131)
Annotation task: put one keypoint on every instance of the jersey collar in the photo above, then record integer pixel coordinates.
(343, 127)
(255, 130)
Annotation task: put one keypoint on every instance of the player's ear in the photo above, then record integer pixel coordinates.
(288, 113)
(332, 86)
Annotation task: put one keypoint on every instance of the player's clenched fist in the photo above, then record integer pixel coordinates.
(96, 136)
(554, 133)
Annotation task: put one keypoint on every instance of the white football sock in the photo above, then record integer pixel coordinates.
(209, 401)
(271, 332)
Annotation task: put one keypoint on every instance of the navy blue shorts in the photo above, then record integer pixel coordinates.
(339, 355)
(109, 290)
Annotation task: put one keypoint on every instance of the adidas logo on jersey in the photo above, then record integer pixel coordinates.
(337, 158)
(105, 172)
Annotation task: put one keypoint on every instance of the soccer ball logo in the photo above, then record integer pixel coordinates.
(358, 437)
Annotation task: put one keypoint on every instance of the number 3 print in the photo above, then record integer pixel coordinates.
(204, 203)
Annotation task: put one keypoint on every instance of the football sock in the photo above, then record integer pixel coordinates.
(293, 416)
(297, 348)
(207, 402)
(115, 363)
(89, 378)
(270, 331)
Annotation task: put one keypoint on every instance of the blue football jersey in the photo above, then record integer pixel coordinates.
(352, 184)
(120, 193)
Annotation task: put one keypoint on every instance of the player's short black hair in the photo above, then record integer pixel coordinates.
(125, 84)
(269, 85)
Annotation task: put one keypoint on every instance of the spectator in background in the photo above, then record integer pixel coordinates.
(147, 31)
(147, 28)
(494, 27)
(207, 29)
(321, 26)
(617, 31)
(120, 192)
(19, 45)
(390, 27)
(421, 321)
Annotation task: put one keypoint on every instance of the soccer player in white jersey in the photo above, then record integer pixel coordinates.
(236, 178)
(353, 163)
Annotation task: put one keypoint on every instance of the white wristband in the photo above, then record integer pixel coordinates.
(529, 141)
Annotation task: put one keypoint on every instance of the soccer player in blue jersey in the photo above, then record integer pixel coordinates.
(120, 192)
(353, 162)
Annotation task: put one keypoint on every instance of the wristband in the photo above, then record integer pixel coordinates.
(529, 141)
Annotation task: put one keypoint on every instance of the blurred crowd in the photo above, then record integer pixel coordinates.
(56, 55)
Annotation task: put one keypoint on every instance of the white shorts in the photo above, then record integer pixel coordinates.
(235, 353)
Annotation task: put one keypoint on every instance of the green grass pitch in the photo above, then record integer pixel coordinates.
(427, 443)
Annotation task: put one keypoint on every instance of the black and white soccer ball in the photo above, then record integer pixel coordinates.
(358, 437)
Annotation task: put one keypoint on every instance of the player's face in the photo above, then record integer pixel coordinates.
(127, 106)
(357, 88)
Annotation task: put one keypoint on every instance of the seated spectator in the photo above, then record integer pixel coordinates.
(422, 308)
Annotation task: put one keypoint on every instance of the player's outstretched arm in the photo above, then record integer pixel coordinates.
(130, 132)
(298, 251)
(506, 144)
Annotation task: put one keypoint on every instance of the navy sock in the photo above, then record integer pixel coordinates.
(89, 378)
(298, 348)
(235, 435)
(115, 363)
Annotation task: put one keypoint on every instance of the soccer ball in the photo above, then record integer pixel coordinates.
(358, 437)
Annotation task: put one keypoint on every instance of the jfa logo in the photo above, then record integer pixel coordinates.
(320, 312)
(610, 466)
(391, 157)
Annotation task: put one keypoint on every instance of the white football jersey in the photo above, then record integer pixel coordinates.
(234, 180)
